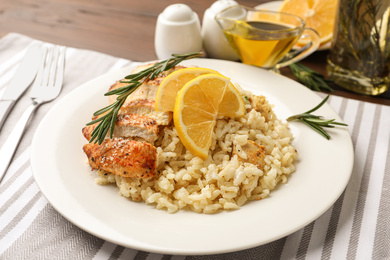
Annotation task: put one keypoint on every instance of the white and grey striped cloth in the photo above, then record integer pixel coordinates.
(357, 226)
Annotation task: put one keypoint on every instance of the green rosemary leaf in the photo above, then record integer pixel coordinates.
(338, 123)
(139, 75)
(103, 110)
(304, 115)
(320, 122)
(94, 135)
(97, 132)
(174, 63)
(107, 121)
(317, 128)
(98, 119)
(124, 91)
(328, 126)
(102, 134)
(182, 56)
(128, 92)
(310, 78)
(315, 122)
(318, 106)
(118, 91)
(113, 118)
(165, 64)
(154, 74)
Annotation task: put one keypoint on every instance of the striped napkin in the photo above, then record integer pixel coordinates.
(357, 226)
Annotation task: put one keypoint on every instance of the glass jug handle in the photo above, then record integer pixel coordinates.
(296, 55)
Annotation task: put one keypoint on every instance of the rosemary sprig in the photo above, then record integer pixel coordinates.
(107, 121)
(310, 78)
(317, 123)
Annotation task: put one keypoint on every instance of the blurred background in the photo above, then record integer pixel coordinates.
(122, 28)
(115, 27)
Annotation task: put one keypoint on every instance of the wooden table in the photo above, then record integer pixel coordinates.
(123, 28)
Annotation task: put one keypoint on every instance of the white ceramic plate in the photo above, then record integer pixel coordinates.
(274, 6)
(61, 172)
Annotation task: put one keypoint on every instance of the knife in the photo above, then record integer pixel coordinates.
(23, 77)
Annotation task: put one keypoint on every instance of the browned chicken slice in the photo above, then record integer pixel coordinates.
(145, 108)
(123, 157)
(259, 103)
(133, 126)
(255, 153)
(142, 101)
(87, 131)
(146, 92)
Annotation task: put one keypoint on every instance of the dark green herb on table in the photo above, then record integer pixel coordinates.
(317, 123)
(310, 78)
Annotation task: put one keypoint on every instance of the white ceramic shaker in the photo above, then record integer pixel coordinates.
(177, 32)
(214, 42)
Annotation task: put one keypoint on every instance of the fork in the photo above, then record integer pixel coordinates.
(47, 86)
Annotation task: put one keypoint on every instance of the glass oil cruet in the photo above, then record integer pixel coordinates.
(359, 59)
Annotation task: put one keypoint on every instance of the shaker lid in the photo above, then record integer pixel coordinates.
(220, 5)
(178, 13)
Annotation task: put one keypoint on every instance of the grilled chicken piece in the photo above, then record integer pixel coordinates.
(145, 108)
(142, 101)
(137, 119)
(133, 126)
(255, 153)
(87, 131)
(123, 157)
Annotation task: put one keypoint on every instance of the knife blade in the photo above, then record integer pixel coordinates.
(22, 79)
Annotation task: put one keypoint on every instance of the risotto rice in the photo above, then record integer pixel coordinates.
(223, 181)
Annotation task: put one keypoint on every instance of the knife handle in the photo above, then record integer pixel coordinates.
(9, 147)
(5, 108)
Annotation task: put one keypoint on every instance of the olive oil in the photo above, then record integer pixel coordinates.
(259, 49)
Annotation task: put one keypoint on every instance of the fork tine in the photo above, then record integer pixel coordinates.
(53, 66)
(38, 79)
(48, 83)
(60, 67)
(48, 65)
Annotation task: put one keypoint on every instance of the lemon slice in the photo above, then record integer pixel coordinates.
(319, 15)
(167, 91)
(197, 106)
